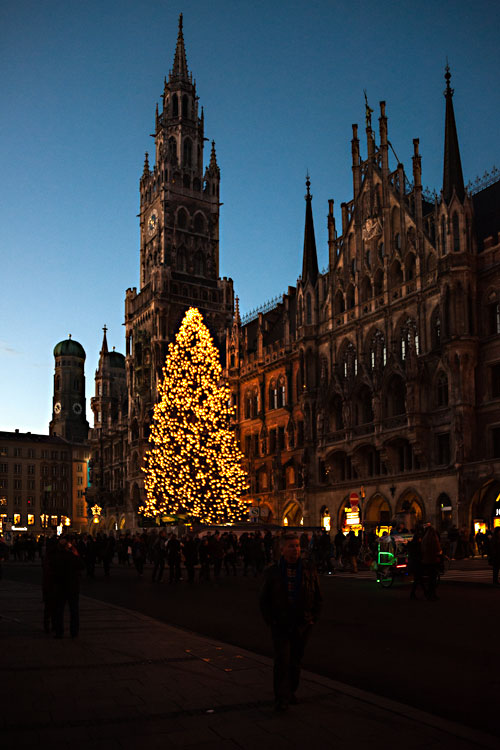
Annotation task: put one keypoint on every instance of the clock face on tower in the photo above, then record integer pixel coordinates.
(152, 222)
(57, 408)
(77, 408)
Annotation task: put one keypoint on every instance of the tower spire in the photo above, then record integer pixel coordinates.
(452, 169)
(180, 68)
(310, 258)
(104, 347)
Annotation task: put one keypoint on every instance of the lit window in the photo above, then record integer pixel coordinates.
(31, 519)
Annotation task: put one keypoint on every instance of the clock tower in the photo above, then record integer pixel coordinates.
(68, 404)
(179, 251)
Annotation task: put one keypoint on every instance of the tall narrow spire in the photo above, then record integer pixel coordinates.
(310, 258)
(452, 169)
(180, 68)
(104, 347)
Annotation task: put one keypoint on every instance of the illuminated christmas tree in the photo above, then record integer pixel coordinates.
(194, 464)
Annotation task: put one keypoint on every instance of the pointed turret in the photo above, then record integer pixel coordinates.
(213, 167)
(104, 347)
(145, 171)
(180, 68)
(452, 170)
(310, 258)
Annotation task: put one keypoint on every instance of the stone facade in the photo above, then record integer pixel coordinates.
(378, 378)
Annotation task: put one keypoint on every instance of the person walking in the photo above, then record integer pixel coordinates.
(65, 565)
(290, 603)
(431, 557)
(173, 548)
(159, 554)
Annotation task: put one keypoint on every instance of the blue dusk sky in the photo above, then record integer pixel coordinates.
(281, 83)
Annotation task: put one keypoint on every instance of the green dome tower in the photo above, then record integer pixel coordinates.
(68, 403)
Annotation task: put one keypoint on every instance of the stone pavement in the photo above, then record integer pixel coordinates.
(129, 681)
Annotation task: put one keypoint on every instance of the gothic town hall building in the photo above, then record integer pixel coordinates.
(371, 391)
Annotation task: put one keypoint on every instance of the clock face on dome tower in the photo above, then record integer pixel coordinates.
(77, 408)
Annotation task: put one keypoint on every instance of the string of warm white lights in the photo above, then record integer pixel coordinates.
(194, 464)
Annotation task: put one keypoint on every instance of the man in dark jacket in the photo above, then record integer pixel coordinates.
(290, 603)
(65, 565)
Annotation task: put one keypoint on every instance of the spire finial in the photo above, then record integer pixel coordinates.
(449, 91)
(368, 111)
(180, 69)
(69, 335)
(309, 258)
(104, 347)
(452, 170)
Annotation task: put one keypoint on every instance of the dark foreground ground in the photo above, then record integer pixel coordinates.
(441, 657)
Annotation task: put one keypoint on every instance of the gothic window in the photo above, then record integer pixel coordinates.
(378, 351)
(187, 153)
(182, 218)
(350, 297)
(339, 305)
(186, 181)
(494, 318)
(134, 430)
(395, 398)
(181, 260)
(273, 395)
(199, 264)
(248, 405)
(436, 329)
(456, 233)
(368, 259)
(443, 235)
(175, 106)
(379, 282)
(397, 241)
(308, 309)
(410, 267)
(196, 185)
(366, 289)
(281, 393)
(184, 106)
(396, 274)
(255, 403)
(363, 406)
(199, 224)
(442, 389)
(381, 251)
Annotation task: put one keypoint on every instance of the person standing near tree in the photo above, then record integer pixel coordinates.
(290, 603)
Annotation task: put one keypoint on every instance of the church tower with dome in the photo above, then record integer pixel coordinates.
(68, 404)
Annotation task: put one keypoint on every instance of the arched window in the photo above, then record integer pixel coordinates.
(381, 251)
(379, 282)
(442, 389)
(181, 260)
(172, 149)
(350, 297)
(281, 393)
(436, 329)
(199, 264)
(396, 393)
(366, 289)
(443, 235)
(175, 106)
(308, 309)
(410, 267)
(186, 181)
(273, 395)
(182, 218)
(396, 274)
(456, 233)
(248, 405)
(378, 351)
(184, 106)
(187, 153)
(199, 223)
(339, 305)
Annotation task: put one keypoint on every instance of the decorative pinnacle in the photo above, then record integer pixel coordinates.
(237, 318)
(447, 76)
(308, 185)
(368, 111)
(146, 164)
